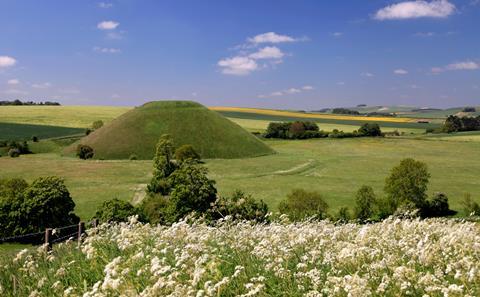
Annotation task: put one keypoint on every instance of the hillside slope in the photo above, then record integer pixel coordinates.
(138, 130)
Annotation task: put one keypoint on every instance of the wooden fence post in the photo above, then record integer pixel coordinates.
(81, 230)
(95, 223)
(48, 239)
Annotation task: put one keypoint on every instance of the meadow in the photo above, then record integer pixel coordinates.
(334, 167)
(435, 257)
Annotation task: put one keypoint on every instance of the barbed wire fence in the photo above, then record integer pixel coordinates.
(53, 235)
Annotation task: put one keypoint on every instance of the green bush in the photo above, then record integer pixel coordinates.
(365, 203)
(97, 124)
(407, 184)
(239, 206)
(301, 204)
(88, 131)
(155, 209)
(116, 210)
(30, 209)
(84, 152)
(470, 207)
(133, 157)
(370, 129)
(437, 207)
(186, 152)
(163, 166)
(343, 215)
(34, 138)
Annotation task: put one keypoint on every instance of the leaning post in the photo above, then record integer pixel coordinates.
(48, 239)
(81, 230)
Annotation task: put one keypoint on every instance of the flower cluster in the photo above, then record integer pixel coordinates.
(436, 257)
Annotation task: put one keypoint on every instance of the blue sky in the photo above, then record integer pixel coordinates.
(278, 54)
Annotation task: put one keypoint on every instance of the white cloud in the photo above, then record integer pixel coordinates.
(465, 65)
(108, 25)
(271, 37)
(293, 91)
(105, 5)
(367, 74)
(269, 52)
(424, 34)
(13, 81)
(290, 91)
(106, 50)
(44, 85)
(6, 61)
(341, 83)
(400, 71)
(307, 88)
(238, 65)
(337, 34)
(416, 9)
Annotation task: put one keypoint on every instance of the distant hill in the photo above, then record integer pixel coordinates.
(138, 130)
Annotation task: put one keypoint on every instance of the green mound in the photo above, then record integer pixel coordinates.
(138, 130)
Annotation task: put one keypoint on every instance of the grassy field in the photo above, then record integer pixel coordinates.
(335, 167)
(62, 116)
(17, 131)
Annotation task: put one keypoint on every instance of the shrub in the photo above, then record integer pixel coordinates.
(370, 129)
(97, 124)
(155, 209)
(44, 203)
(192, 191)
(186, 152)
(13, 187)
(343, 215)
(437, 207)
(240, 206)
(470, 207)
(292, 130)
(407, 184)
(345, 111)
(14, 153)
(163, 166)
(133, 157)
(116, 210)
(34, 138)
(84, 152)
(365, 202)
(88, 131)
(469, 109)
(301, 204)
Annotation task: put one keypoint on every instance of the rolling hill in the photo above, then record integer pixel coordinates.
(138, 130)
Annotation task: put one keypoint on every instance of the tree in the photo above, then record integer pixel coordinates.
(470, 207)
(296, 131)
(84, 152)
(407, 184)
(116, 210)
(370, 129)
(301, 204)
(437, 207)
(365, 202)
(240, 206)
(163, 166)
(97, 124)
(186, 152)
(45, 203)
(13, 187)
(191, 191)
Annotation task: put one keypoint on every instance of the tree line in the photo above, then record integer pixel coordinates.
(460, 124)
(18, 103)
(307, 129)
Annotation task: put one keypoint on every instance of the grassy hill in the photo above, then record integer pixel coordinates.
(138, 130)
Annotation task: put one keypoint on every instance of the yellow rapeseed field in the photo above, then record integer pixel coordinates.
(312, 116)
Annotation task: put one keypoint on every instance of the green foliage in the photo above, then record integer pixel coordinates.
(155, 209)
(458, 124)
(239, 206)
(163, 166)
(301, 204)
(343, 215)
(34, 138)
(28, 209)
(437, 207)
(469, 109)
(345, 111)
(186, 152)
(293, 130)
(192, 191)
(88, 131)
(84, 152)
(116, 210)
(365, 203)
(370, 129)
(407, 184)
(133, 157)
(97, 124)
(470, 207)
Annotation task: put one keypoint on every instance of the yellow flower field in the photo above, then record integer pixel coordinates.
(312, 116)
